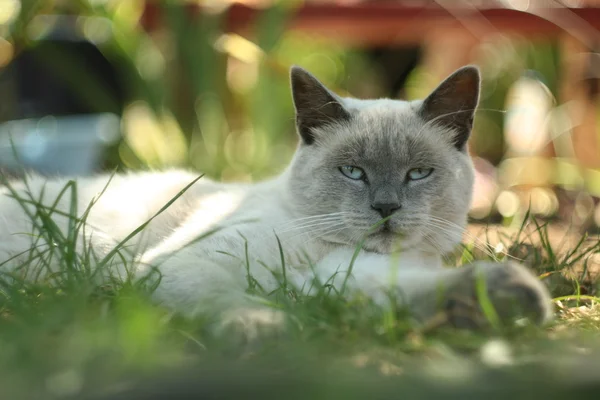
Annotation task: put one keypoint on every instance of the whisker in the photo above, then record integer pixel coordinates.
(321, 229)
(311, 217)
(486, 248)
(451, 224)
(450, 227)
(429, 239)
(334, 230)
(436, 246)
(310, 224)
(464, 231)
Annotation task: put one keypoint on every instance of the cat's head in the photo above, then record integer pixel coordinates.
(361, 160)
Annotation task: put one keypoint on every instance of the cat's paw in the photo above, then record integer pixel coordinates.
(512, 291)
(248, 325)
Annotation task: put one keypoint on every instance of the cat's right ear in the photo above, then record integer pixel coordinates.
(315, 105)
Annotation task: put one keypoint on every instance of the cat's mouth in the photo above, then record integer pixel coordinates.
(386, 230)
(391, 231)
(387, 239)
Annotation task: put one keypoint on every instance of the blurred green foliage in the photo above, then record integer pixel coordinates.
(197, 96)
(220, 103)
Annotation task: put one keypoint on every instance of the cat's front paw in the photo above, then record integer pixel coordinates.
(498, 293)
(247, 325)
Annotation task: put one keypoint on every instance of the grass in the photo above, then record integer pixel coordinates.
(68, 333)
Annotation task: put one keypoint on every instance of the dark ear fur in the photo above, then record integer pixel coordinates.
(315, 104)
(453, 103)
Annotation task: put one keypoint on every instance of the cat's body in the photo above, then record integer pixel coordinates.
(231, 216)
(359, 161)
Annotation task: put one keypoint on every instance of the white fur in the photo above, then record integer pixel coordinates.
(196, 273)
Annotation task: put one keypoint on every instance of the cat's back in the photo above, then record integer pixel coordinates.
(118, 203)
(126, 191)
(178, 205)
(168, 197)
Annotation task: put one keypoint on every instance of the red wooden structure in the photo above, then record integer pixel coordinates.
(392, 22)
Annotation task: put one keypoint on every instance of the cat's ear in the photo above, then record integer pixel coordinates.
(452, 104)
(315, 104)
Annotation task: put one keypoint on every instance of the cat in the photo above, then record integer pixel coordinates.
(401, 164)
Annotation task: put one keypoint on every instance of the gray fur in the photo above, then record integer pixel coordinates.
(386, 138)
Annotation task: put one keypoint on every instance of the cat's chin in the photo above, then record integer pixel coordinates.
(386, 241)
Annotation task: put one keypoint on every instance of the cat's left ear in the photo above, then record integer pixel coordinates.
(452, 104)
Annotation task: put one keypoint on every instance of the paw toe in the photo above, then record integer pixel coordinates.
(251, 324)
(513, 291)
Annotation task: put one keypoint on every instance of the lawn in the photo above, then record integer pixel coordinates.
(68, 335)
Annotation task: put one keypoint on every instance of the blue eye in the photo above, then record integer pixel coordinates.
(416, 174)
(351, 172)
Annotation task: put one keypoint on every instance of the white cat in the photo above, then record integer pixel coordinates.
(358, 161)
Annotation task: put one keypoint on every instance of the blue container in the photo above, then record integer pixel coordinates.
(65, 145)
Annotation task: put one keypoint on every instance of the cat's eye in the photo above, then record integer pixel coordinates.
(351, 172)
(416, 174)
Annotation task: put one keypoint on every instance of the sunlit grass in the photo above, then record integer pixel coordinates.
(66, 329)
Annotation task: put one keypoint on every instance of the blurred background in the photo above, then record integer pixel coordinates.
(92, 85)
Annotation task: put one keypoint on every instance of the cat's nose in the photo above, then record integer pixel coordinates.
(385, 209)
